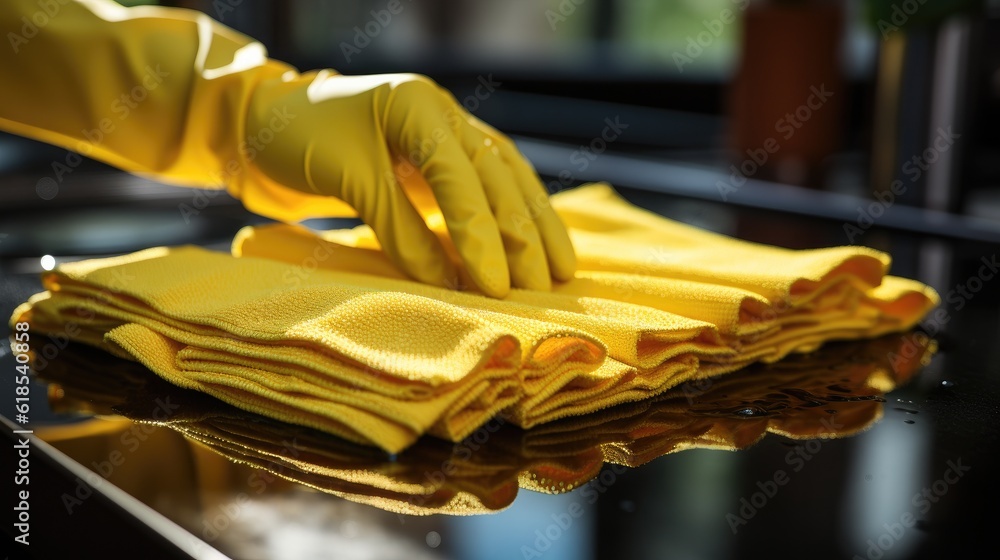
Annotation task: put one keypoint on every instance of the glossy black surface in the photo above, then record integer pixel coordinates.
(891, 491)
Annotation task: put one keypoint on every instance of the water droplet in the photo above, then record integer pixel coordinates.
(947, 383)
(749, 411)
(909, 421)
(433, 539)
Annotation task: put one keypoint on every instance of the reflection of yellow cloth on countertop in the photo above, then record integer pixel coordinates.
(337, 339)
(803, 397)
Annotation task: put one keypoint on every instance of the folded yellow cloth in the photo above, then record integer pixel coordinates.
(322, 331)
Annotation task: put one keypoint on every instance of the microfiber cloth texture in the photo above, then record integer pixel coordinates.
(320, 330)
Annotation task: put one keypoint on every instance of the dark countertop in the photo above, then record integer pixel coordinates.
(915, 481)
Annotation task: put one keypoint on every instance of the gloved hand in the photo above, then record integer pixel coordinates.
(372, 140)
(174, 95)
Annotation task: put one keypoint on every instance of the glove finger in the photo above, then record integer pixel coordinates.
(555, 239)
(401, 231)
(467, 213)
(526, 258)
(420, 122)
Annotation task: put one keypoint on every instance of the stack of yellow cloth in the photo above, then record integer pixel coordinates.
(322, 331)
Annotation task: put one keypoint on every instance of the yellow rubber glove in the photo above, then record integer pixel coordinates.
(362, 138)
(174, 95)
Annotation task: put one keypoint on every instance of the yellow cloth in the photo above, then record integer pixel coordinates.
(336, 339)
